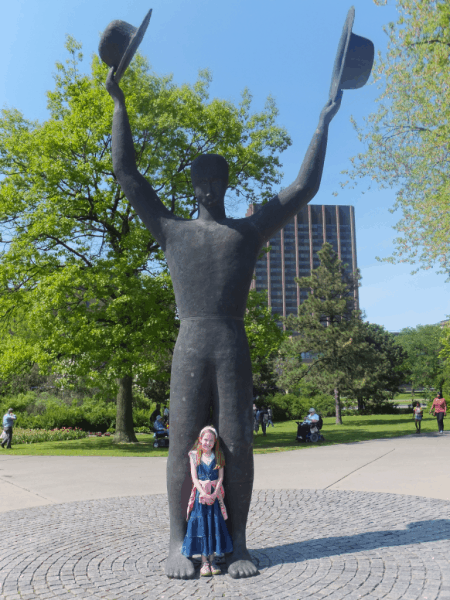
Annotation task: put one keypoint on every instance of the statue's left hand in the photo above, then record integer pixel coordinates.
(330, 109)
(113, 87)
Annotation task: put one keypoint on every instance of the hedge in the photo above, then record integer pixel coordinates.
(90, 414)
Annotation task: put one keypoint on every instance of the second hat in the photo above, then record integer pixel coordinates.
(354, 59)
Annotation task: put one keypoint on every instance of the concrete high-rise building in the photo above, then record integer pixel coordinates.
(294, 249)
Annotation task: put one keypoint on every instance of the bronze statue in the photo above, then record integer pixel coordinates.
(211, 261)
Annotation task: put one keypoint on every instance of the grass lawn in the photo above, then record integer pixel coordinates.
(278, 439)
(407, 398)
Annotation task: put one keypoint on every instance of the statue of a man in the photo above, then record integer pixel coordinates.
(211, 261)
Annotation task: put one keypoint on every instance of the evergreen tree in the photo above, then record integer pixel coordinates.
(379, 369)
(327, 326)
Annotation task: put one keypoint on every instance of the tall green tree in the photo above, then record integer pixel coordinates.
(264, 339)
(290, 369)
(424, 365)
(379, 368)
(327, 326)
(77, 263)
(407, 137)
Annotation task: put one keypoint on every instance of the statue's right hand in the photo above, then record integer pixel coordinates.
(113, 87)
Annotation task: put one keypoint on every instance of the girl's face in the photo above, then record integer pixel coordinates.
(208, 440)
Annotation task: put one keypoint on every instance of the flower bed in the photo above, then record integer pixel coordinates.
(34, 436)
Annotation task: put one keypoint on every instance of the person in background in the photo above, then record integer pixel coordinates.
(8, 422)
(155, 413)
(311, 418)
(270, 415)
(159, 425)
(263, 419)
(255, 418)
(439, 409)
(418, 414)
(166, 415)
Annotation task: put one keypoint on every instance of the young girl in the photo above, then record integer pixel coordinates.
(418, 414)
(207, 533)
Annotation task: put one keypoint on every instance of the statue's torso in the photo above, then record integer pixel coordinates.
(211, 264)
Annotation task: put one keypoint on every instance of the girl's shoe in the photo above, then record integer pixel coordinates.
(205, 571)
(215, 570)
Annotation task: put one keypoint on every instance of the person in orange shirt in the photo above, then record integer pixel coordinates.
(439, 408)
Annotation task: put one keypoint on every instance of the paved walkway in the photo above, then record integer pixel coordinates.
(413, 465)
(368, 520)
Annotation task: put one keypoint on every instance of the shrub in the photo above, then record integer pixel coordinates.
(291, 407)
(381, 408)
(34, 436)
(324, 404)
(35, 412)
(285, 407)
(141, 417)
(143, 430)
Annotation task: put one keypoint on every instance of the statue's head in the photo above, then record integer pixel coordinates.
(209, 175)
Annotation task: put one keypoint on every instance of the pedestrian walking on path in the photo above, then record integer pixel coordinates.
(418, 414)
(8, 422)
(270, 415)
(263, 419)
(256, 414)
(439, 409)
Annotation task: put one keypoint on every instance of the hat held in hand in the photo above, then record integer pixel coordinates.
(119, 43)
(354, 59)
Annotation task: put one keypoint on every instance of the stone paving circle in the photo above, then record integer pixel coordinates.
(311, 544)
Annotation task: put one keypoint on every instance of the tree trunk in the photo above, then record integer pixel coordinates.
(124, 413)
(361, 404)
(337, 399)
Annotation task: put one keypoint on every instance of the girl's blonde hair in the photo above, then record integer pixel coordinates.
(220, 460)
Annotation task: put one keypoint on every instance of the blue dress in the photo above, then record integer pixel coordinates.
(207, 532)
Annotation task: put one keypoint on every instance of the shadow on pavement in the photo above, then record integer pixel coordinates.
(323, 547)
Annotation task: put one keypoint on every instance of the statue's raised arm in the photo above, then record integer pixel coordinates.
(136, 188)
(118, 44)
(281, 209)
(351, 70)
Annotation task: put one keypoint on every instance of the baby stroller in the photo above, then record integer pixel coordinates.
(161, 439)
(313, 435)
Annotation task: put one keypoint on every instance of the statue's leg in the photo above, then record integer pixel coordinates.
(233, 415)
(190, 399)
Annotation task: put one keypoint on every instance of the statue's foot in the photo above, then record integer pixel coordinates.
(179, 566)
(240, 564)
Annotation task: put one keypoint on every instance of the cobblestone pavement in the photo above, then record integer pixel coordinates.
(311, 544)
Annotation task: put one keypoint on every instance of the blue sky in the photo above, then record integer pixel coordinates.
(283, 48)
